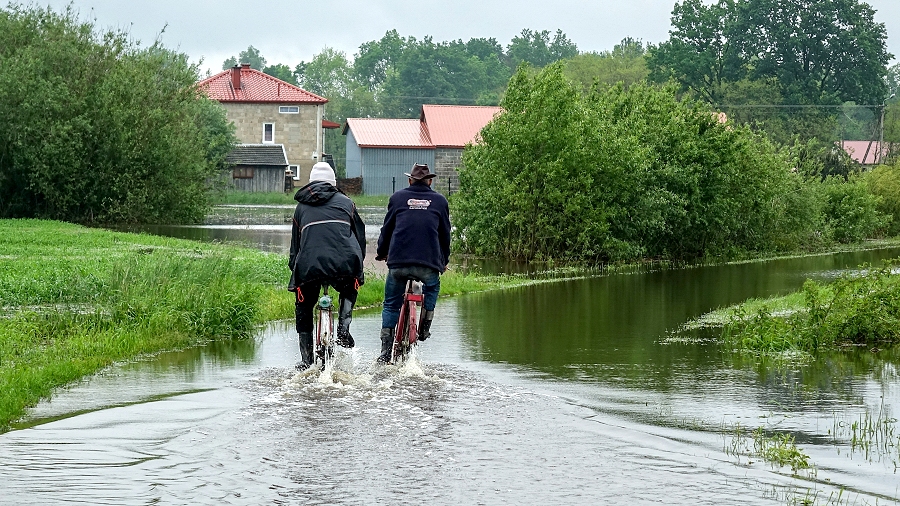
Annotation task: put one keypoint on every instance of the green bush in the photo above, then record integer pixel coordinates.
(851, 210)
(624, 174)
(94, 128)
(884, 182)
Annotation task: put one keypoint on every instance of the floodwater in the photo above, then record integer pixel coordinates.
(573, 392)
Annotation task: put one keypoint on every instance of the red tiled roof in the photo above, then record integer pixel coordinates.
(456, 125)
(256, 87)
(864, 152)
(389, 133)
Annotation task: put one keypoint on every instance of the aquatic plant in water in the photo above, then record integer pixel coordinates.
(777, 448)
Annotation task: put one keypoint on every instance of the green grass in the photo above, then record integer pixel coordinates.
(234, 197)
(857, 309)
(75, 300)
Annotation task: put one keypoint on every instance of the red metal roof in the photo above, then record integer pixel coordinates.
(456, 125)
(389, 133)
(330, 124)
(864, 152)
(255, 87)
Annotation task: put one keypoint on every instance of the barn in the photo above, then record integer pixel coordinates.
(380, 151)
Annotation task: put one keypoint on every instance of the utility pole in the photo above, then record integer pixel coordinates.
(881, 134)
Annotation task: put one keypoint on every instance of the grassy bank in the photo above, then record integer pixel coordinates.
(281, 198)
(74, 300)
(858, 309)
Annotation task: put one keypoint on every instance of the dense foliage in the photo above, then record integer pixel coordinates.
(623, 174)
(799, 59)
(93, 128)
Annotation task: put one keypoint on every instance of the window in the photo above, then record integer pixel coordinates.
(289, 109)
(268, 133)
(242, 173)
(295, 170)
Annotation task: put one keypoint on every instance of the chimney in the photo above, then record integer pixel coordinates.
(236, 77)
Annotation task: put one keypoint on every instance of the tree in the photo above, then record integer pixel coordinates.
(281, 71)
(624, 64)
(94, 128)
(821, 51)
(792, 52)
(429, 72)
(536, 48)
(703, 52)
(331, 75)
(374, 59)
(251, 55)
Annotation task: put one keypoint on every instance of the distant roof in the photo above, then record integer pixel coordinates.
(330, 124)
(389, 133)
(255, 87)
(257, 154)
(865, 152)
(456, 125)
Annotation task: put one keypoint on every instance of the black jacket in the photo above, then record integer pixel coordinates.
(328, 238)
(416, 229)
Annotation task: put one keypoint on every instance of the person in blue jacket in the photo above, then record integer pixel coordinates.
(415, 241)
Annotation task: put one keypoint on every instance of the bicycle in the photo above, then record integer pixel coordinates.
(324, 344)
(406, 333)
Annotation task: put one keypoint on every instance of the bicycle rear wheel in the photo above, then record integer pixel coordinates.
(405, 335)
(324, 329)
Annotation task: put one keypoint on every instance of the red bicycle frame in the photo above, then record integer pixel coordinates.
(406, 332)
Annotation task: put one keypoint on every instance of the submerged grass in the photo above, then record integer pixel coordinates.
(75, 300)
(778, 449)
(861, 308)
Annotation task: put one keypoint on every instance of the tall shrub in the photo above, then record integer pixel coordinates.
(94, 128)
(884, 182)
(622, 174)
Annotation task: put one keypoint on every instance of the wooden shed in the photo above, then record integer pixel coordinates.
(258, 167)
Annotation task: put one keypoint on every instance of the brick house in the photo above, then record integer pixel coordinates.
(269, 112)
(381, 150)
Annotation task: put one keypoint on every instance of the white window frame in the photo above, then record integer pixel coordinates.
(265, 126)
(296, 171)
(289, 109)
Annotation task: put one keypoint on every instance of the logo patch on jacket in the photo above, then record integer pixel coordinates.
(418, 204)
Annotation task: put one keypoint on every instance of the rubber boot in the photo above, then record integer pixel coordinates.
(425, 325)
(345, 316)
(306, 351)
(387, 345)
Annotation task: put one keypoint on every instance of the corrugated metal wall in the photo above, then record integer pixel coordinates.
(353, 163)
(383, 168)
(265, 179)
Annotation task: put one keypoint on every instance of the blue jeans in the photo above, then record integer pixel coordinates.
(395, 286)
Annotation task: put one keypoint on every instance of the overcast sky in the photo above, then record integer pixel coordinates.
(289, 32)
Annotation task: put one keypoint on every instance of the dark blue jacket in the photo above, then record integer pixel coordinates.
(416, 229)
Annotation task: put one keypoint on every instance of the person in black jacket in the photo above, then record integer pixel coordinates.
(328, 246)
(415, 241)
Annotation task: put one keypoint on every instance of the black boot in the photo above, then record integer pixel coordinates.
(306, 351)
(387, 345)
(425, 325)
(345, 316)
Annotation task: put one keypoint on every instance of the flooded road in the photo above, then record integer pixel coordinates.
(575, 392)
